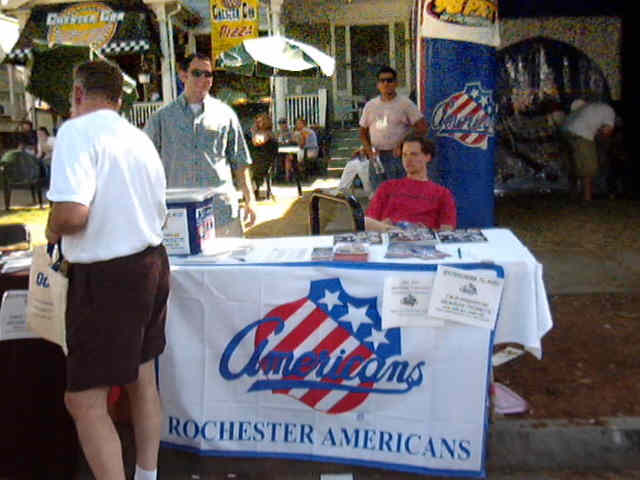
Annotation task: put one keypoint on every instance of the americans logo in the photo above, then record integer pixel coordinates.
(326, 350)
(467, 116)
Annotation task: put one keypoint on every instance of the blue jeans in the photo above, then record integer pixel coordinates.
(392, 169)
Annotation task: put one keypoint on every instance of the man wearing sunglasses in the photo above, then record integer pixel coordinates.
(385, 121)
(201, 144)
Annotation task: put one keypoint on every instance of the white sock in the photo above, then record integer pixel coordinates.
(145, 474)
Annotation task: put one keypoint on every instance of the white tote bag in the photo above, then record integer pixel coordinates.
(47, 297)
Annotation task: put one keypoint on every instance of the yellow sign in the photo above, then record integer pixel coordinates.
(84, 24)
(473, 21)
(232, 21)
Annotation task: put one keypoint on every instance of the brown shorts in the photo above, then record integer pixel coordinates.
(584, 155)
(116, 313)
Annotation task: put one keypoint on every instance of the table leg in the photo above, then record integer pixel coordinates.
(296, 175)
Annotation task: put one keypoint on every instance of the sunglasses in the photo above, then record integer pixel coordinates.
(386, 80)
(201, 73)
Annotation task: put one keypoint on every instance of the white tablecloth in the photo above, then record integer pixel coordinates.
(524, 316)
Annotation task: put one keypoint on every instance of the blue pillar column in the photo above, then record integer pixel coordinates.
(458, 83)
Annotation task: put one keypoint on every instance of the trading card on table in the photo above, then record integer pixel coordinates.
(374, 238)
(351, 252)
(420, 236)
(463, 235)
(320, 254)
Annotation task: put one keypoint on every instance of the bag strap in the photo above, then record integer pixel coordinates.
(51, 247)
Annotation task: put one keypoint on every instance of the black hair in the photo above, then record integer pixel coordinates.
(427, 146)
(387, 69)
(186, 61)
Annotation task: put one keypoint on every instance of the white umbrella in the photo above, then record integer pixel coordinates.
(278, 52)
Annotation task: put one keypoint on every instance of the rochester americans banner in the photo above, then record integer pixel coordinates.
(291, 361)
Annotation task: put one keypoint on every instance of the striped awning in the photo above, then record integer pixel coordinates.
(119, 47)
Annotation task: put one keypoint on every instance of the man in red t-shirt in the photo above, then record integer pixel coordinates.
(415, 198)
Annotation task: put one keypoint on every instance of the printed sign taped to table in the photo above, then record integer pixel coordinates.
(466, 297)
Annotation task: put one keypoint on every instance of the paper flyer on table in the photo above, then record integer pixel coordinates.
(405, 302)
(176, 232)
(13, 316)
(465, 297)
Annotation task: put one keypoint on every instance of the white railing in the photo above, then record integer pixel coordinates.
(311, 107)
(140, 112)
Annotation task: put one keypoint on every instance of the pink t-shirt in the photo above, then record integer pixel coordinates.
(389, 122)
(414, 201)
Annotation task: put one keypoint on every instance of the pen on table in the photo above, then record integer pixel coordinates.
(459, 253)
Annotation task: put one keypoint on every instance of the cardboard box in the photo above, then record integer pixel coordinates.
(190, 223)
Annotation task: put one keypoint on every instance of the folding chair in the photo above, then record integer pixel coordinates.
(15, 236)
(334, 218)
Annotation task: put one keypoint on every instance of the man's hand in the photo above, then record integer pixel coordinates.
(368, 151)
(366, 142)
(371, 224)
(249, 217)
(243, 179)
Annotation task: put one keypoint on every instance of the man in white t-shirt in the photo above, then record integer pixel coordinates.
(586, 122)
(108, 207)
(386, 120)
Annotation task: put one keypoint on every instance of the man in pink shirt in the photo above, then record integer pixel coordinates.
(385, 121)
(415, 198)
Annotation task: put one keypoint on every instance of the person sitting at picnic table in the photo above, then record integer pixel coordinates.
(264, 149)
(307, 141)
(283, 134)
(414, 198)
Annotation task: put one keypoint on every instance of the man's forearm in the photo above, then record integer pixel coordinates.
(365, 138)
(65, 218)
(244, 181)
(373, 225)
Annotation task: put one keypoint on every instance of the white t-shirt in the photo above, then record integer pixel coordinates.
(105, 163)
(587, 120)
(389, 122)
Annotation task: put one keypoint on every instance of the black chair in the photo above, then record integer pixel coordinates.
(21, 170)
(15, 236)
(334, 218)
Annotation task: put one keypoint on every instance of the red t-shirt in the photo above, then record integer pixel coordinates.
(414, 201)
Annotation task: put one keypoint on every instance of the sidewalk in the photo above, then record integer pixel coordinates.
(516, 449)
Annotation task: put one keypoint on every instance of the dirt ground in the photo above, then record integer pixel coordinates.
(591, 358)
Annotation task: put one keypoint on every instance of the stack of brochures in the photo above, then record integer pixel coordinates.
(372, 238)
(462, 235)
(15, 261)
(351, 252)
(322, 254)
(415, 236)
(414, 243)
